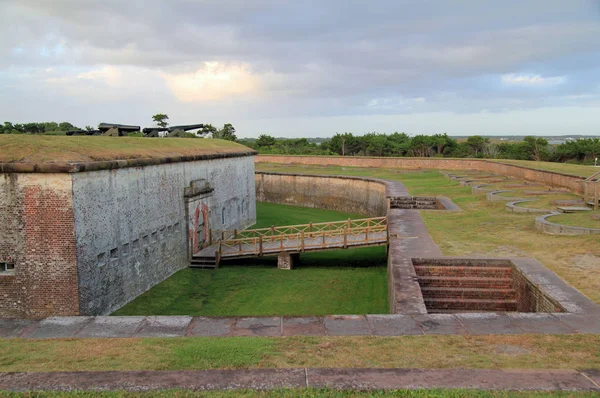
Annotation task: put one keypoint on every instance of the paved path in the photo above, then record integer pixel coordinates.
(346, 379)
(333, 325)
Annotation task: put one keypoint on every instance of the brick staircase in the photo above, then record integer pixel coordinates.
(203, 262)
(467, 288)
(414, 202)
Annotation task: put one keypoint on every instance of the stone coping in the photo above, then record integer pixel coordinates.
(494, 197)
(362, 379)
(547, 227)
(512, 207)
(112, 164)
(332, 325)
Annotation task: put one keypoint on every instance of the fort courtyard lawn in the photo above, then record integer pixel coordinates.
(352, 281)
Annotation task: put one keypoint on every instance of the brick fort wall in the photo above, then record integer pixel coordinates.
(37, 236)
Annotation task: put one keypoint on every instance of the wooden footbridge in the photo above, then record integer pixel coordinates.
(295, 239)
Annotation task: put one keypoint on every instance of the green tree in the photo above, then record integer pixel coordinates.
(535, 148)
(226, 133)
(161, 120)
(421, 145)
(265, 141)
(477, 144)
(208, 129)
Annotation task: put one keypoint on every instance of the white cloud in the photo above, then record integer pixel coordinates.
(214, 81)
(532, 80)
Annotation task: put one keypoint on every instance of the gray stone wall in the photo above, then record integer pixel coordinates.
(348, 194)
(134, 227)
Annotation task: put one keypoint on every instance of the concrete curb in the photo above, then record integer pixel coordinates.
(333, 378)
(512, 207)
(547, 227)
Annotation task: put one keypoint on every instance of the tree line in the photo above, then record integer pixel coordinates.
(583, 150)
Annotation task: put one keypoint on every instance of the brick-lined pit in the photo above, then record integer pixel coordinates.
(479, 285)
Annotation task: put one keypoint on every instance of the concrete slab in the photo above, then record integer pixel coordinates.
(263, 326)
(572, 209)
(112, 326)
(303, 326)
(347, 325)
(439, 324)
(481, 379)
(214, 327)
(488, 323)
(163, 326)
(257, 379)
(540, 323)
(581, 323)
(593, 374)
(11, 328)
(58, 327)
(393, 325)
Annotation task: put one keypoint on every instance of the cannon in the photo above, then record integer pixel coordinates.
(173, 131)
(116, 130)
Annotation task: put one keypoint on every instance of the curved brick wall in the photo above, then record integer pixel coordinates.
(347, 194)
(553, 179)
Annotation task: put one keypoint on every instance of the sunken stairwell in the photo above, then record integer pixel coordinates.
(203, 262)
(414, 202)
(457, 288)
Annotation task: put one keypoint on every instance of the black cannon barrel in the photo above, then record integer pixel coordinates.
(147, 130)
(186, 127)
(122, 127)
(82, 132)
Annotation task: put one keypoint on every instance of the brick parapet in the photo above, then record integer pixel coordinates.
(551, 178)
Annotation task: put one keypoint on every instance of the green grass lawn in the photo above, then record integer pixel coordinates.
(588, 219)
(486, 228)
(352, 281)
(52, 149)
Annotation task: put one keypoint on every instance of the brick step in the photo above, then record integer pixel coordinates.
(203, 262)
(470, 304)
(414, 202)
(469, 293)
(465, 282)
(454, 271)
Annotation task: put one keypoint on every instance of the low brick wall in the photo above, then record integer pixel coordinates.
(530, 298)
(542, 224)
(553, 179)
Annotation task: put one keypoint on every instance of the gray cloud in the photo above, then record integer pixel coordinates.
(312, 58)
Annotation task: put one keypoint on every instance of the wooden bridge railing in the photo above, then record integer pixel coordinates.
(304, 237)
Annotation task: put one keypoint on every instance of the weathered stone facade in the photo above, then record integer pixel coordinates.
(88, 242)
(347, 194)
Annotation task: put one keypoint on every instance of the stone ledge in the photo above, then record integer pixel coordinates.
(512, 207)
(551, 228)
(494, 197)
(112, 164)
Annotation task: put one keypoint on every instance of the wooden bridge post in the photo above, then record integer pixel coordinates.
(302, 240)
(323, 239)
(222, 235)
(240, 246)
(272, 230)
(310, 229)
(346, 237)
(260, 245)
(235, 233)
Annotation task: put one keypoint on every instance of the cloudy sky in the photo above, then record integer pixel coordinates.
(306, 68)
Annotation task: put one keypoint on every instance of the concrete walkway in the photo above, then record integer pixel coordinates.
(345, 379)
(333, 325)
